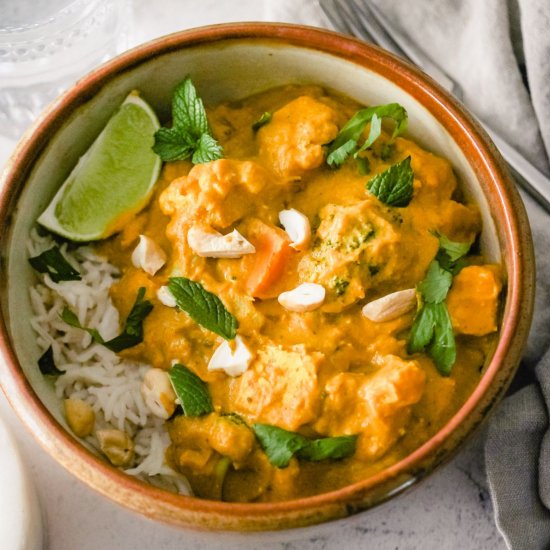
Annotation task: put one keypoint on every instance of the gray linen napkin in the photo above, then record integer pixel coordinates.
(498, 50)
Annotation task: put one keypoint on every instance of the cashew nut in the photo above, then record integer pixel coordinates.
(297, 228)
(166, 297)
(117, 446)
(233, 361)
(148, 255)
(305, 297)
(80, 416)
(211, 244)
(158, 393)
(391, 306)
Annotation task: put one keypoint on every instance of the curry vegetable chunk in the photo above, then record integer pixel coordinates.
(319, 371)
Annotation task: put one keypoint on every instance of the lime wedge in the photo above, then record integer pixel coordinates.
(112, 181)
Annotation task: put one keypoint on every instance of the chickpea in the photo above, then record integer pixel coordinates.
(80, 416)
(117, 446)
(158, 394)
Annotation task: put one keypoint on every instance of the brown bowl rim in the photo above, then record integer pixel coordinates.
(471, 139)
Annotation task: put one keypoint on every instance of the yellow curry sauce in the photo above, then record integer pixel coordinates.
(326, 372)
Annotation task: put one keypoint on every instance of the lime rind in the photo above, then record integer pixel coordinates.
(109, 183)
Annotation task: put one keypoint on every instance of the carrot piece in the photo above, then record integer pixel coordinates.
(272, 252)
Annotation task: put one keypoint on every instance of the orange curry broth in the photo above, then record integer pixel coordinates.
(326, 372)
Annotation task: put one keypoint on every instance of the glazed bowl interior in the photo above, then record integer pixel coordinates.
(231, 62)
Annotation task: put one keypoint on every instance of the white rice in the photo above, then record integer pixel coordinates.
(91, 372)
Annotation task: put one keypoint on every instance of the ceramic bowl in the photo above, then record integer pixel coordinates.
(229, 62)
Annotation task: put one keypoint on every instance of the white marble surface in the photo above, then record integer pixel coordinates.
(451, 509)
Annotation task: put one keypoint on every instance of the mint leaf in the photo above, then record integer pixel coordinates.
(436, 284)
(207, 149)
(281, 445)
(192, 392)
(55, 265)
(394, 186)
(328, 447)
(347, 140)
(131, 335)
(188, 110)
(262, 121)
(203, 307)
(171, 144)
(190, 135)
(46, 364)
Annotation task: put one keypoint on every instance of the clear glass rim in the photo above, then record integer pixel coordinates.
(66, 17)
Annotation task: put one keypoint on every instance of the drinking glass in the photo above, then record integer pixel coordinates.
(45, 45)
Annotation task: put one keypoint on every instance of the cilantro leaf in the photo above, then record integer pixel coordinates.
(281, 445)
(338, 156)
(203, 307)
(55, 265)
(347, 140)
(192, 392)
(451, 253)
(394, 186)
(363, 165)
(436, 284)
(422, 331)
(374, 134)
(432, 329)
(190, 135)
(46, 364)
(131, 335)
(442, 348)
(262, 121)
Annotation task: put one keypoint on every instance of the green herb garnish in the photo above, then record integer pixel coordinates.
(190, 136)
(203, 307)
(46, 364)
(387, 151)
(71, 319)
(281, 445)
(363, 165)
(394, 186)
(262, 121)
(339, 285)
(347, 140)
(436, 284)
(131, 335)
(55, 265)
(432, 330)
(192, 392)
(235, 418)
(451, 253)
